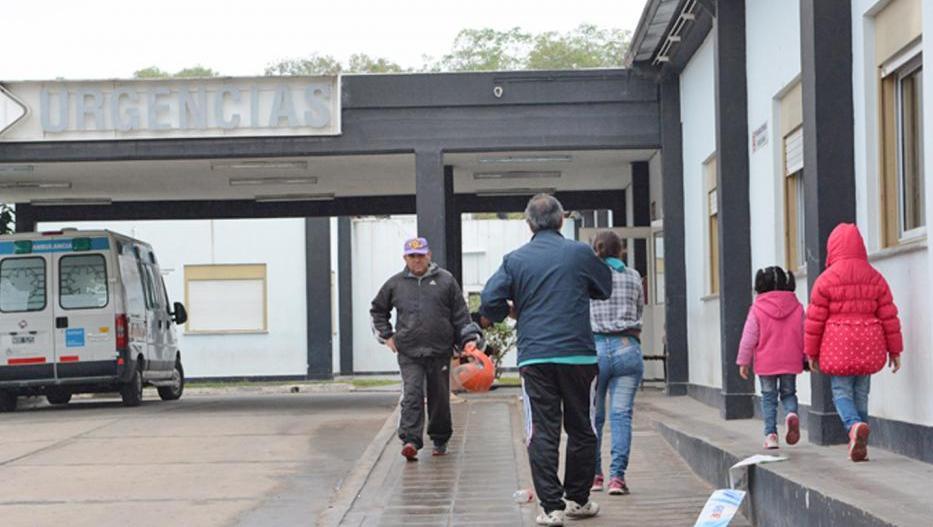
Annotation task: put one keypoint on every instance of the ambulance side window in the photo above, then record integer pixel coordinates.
(133, 284)
(152, 284)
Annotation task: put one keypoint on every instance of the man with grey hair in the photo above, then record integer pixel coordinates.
(546, 285)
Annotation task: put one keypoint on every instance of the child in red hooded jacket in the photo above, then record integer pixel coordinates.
(852, 330)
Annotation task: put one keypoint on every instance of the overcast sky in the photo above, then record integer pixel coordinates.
(91, 39)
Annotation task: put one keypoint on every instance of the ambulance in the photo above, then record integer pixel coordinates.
(85, 312)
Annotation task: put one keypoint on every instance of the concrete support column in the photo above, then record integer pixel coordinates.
(319, 309)
(641, 210)
(433, 200)
(735, 275)
(675, 267)
(453, 228)
(829, 162)
(345, 292)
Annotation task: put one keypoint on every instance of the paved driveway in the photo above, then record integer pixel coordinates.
(236, 459)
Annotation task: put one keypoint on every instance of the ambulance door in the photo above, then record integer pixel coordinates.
(26, 314)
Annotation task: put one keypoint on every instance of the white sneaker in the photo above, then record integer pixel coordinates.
(576, 511)
(771, 441)
(554, 519)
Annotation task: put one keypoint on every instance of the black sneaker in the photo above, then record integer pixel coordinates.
(439, 449)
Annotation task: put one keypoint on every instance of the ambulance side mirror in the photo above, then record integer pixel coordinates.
(180, 315)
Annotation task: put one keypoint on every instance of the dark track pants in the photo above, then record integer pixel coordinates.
(420, 375)
(554, 393)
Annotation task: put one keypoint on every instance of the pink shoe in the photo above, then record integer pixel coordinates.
(771, 442)
(617, 487)
(597, 484)
(793, 429)
(858, 442)
(410, 452)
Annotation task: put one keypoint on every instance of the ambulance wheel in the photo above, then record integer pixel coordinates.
(58, 397)
(7, 402)
(132, 392)
(173, 392)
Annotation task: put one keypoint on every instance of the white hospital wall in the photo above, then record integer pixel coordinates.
(908, 273)
(772, 34)
(377, 256)
(697, 107)
(278, 243)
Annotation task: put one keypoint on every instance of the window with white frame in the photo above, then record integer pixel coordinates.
(902, 179)
(226, 298)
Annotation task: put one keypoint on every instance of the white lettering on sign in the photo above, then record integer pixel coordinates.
(178, 108)
(93, 109)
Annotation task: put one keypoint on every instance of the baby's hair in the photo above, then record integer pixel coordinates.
(774, 279)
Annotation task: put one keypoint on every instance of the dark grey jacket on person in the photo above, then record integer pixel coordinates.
(431, 315)
(551, 281)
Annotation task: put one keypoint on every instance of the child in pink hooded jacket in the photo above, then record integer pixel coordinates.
(773, 341)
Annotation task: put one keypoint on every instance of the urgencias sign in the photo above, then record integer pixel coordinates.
(167, 108)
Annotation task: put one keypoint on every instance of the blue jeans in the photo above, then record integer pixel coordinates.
(771, 386)
(621, 368)
(850, 394)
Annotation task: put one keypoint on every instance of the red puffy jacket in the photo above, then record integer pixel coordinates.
(852, 322)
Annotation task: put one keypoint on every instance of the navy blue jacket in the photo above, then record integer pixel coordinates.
(551, 281)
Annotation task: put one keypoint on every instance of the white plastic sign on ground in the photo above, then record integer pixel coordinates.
(721, 507)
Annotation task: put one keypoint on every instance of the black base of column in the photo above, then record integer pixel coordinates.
(675, 389)
(737, 406)
(825, 428)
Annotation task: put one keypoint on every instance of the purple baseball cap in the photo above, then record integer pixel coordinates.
(417, 246)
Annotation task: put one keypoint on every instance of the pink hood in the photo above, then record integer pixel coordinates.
(777, 304)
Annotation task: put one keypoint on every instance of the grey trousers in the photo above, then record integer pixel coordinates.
(420, 375)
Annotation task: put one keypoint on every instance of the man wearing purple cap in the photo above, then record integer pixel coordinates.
(431, 319)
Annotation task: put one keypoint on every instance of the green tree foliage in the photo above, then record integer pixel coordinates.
(7, 219)
(153, 72)
(196, 71)
(312, 65)
(328, 65)
(587, 46)
(362, 63)
(486, 50)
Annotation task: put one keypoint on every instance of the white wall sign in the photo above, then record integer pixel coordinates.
(175, 108)
(760, 137)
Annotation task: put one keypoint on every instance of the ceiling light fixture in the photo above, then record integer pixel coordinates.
(487, 193)
(16, 169)
(543, 158)
(259, 165)
(276, 198)
(34, 184)
(237, 182)
(70, 201)
(517, 174)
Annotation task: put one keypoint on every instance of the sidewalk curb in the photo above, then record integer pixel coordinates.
(349, 488)
(772, 498)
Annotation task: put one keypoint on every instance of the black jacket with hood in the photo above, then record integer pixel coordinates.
(431, 315)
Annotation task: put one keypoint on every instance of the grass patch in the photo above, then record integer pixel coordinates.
(509, 381)
(240, 384)
(372, 383)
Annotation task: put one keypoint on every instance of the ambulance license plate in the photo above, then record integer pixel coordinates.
(24, 339)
